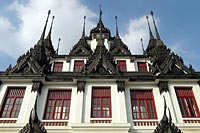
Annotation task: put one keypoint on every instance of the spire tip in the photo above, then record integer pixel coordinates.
(49, 12)
(151, 12)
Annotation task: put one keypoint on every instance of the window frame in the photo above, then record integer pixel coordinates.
(101, 103)
(184, 103)
(16, 105)
(122, 65)
(144, 99)
(142, 66)
(59, 67)
(78, 68)
(54, 105)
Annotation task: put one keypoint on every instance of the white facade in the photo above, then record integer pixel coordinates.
(38, 84)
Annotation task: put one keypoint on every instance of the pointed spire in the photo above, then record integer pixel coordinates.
(58, 46)
(150, 32)
(117, 32)
(49, 35)
(100, 13)
(142, 45)
(157, 34)
(83, 33)
(43, 33)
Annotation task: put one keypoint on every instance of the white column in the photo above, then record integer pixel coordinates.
(78, 108)
(27, 105)
(122, 107)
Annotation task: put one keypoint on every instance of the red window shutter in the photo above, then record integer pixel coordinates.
(12, 102)
(78, 65)
(142, 66)
(122, 65)
(58, 105)
(58, 66)
(101, 102)
(187, 102)
(142, 104)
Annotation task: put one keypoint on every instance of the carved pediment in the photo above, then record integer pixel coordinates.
(101, 62)
(81, 48)
(119, 48)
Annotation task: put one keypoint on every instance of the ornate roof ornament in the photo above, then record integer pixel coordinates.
(82, 47)
(101, 61)
(150, 32)
(44, 30)
(118, 47)
(83, 33)
(166, 125)
(58, 45)
(157, 34)
(34, 125)
(49, 49)
(117, 32)
(100, 24)
(36, 59)
(142, 45)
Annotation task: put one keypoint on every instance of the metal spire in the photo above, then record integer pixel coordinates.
(157, 34)
(43, 33)
(58, 46)
(150, 32)
(142, 45)
(100, 13)
(49, 35)
(83, 33)
(117, 33)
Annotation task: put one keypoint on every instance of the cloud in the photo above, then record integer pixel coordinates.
(179, 48)
(137, 29)
(16, 40)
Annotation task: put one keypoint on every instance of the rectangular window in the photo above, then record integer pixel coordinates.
(101, 102)
(12, 102)
(78, 65)
(122, 65)
(58, 105)
(142, 104)
(142, 66)
(187, 102)
(58, 66)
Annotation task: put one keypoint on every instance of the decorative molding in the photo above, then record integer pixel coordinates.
(120, 85)
(163, 86)
(34, 124)
(165, 125)
(37, 86)
(81, 85)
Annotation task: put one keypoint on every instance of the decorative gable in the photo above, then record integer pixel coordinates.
(101, 61)
(119, 48)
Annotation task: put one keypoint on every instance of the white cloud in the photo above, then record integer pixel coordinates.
(32, 16)
(67, 25)
(137, 29)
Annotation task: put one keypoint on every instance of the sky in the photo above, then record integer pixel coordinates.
(22, 22)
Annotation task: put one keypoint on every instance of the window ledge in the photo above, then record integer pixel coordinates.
(100, 120)
(8, 120)
(145, 122)
(55, 122)
(191, 120)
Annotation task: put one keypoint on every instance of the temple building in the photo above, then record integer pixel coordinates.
(100, 86)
